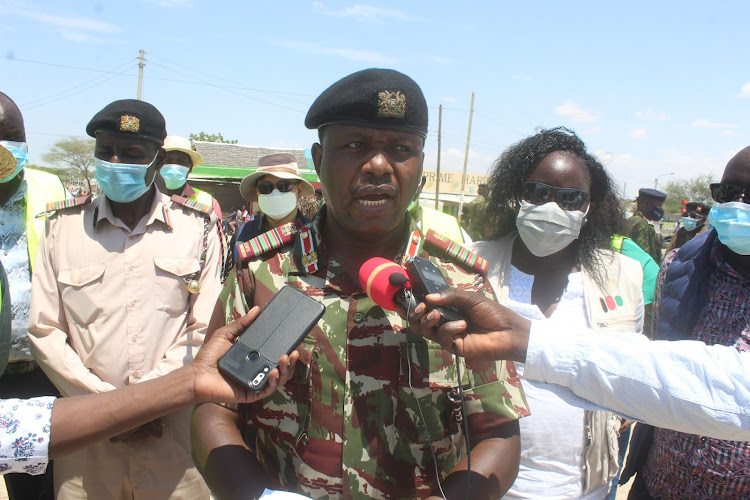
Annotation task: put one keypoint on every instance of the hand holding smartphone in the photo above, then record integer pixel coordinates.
(280, 327)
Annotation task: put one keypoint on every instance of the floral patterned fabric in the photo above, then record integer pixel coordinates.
(24, 434)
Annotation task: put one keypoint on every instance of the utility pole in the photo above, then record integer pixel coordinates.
(437, 178)
(466, 160)
(141, 64)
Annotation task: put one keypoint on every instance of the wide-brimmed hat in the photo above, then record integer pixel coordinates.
(281, 165)
(177, 143)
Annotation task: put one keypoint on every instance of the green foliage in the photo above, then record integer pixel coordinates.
(692, 189)
(202, 136)
(74, 154)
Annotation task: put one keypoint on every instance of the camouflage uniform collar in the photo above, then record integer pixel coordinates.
(412, 236)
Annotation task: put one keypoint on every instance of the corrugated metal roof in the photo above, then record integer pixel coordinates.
(238, 155)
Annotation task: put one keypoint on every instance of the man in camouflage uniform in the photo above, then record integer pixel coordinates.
(370, 411)
(649, 208)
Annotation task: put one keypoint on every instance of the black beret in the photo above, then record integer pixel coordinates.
(130, 117)
(380, 98)
(652, 194)
(695, 206)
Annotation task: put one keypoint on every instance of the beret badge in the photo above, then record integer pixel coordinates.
(391, 104)
(130, 124)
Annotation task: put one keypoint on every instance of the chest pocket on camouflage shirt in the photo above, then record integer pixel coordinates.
(433, 378)
(171, 289)
(81, 290)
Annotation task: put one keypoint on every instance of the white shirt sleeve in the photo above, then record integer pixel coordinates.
(683, 385)
(24, 434)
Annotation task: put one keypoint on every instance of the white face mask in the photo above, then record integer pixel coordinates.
(277, 205)
(547, 229)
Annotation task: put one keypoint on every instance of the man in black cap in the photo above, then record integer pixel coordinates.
(121, 294)
(649, 208)
(374, 411)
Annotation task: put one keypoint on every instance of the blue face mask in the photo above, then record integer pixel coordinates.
(656, 213)
(732, 223)
(122, 182)
(689, 223)
(174, 175)
(20, 152)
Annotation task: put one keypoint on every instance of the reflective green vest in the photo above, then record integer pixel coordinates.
(41, 188)
(202, 197)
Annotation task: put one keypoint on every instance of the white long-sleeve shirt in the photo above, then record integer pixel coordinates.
(683, 385)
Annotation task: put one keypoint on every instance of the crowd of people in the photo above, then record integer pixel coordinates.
(117, 308)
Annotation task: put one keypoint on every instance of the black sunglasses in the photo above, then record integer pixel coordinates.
(284, 186)
(537, 193)
(723, 192)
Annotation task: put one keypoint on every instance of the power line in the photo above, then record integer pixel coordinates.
(55, 64)
(86, 83)
(227, 89)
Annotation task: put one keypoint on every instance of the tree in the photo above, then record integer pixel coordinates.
(75, 153)
(692, 189)
(202, 136)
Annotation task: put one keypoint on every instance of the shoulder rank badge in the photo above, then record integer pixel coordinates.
(63, 204)
(270, 240)
(309, 252)
(199, 207)
(391, 104)
(457, 252)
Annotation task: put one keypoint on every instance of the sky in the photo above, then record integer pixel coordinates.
(658, 90)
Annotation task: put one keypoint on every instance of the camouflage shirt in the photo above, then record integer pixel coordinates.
(347, 425)
(644, 235)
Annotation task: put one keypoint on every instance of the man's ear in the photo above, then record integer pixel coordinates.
(161, 157)
(317, 156)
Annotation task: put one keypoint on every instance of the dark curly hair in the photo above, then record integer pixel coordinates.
(519, 161)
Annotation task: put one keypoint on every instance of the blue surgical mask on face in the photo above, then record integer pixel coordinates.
(174, 175)
(122, 182)
(689, 223)
(732, 223)
(20, 152)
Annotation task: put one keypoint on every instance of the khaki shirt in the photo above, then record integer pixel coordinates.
(110, 307)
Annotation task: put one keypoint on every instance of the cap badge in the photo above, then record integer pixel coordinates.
(391, 104)
(130, 124)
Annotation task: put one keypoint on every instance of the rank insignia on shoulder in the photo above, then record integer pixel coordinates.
(199, 207)
(270, 240)
(457, 252)
(63, 204)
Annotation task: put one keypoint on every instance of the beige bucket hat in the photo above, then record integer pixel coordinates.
(281, 165)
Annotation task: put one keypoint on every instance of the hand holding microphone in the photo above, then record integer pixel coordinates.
(397, 289)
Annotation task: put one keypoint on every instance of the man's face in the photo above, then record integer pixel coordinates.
(368, 176)
(179, 158)
(115, 148)
(646, 207)
(11, 122)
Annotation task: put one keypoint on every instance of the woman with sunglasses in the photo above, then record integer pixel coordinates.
(277, 187)
(556, 262)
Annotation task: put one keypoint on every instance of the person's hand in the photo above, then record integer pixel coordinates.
(488, 331)
(211, 386)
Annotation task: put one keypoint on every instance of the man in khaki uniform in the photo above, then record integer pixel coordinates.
(121, 294)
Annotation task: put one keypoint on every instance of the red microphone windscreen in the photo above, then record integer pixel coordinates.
(374, 277)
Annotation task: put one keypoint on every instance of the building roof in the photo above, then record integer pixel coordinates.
(238, 155)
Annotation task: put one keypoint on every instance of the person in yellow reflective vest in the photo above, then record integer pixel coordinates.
(24, 194)
(180, 162)
(172, 179)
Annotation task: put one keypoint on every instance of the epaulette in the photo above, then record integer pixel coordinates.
(199, 207)
(456, 251)
(55, 206)
(270, 240)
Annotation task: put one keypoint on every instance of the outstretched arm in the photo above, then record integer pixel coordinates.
(683, 385)
(79, 421)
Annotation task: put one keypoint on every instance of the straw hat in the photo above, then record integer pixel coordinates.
(177, 143)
